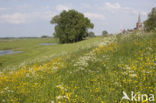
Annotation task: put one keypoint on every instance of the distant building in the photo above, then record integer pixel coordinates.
(139, 25)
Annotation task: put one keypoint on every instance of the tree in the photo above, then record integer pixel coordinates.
(91, 34)
(105, 33)
(150, 23)
(71, 26)
(44, 36)
(54, 35)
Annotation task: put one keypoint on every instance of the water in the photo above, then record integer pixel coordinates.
(5, 52)
(48, 44)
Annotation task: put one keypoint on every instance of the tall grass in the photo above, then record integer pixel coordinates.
(94, 75)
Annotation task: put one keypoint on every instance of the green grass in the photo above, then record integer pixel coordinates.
(31, 49)
(93, 74)
(34, 52)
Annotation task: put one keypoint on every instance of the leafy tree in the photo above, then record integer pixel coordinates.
(71, 26)
(105, 33)
(150, 23)
(54, 35)
(91, 34)
(44, 36)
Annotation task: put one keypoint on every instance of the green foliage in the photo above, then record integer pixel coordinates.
(91, 34)
(54, 35)
(150, 23)
(105, 33)
(44, 36)
(71, 26)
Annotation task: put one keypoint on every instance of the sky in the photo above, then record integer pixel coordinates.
(31, 18)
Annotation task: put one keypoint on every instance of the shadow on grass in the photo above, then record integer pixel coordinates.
(1, 64)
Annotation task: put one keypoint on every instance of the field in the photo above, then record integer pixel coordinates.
(96, 70)
(33, 52)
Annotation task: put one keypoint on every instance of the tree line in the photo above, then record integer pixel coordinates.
(72, 26)
(150, 23)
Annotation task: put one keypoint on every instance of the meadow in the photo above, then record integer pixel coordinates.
(34, 52)
(96, 70)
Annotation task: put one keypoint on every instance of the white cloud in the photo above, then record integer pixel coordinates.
(117, 8)
(62, 7)
(16, 18)
(95, 16)
(133, 11)
(112, 6)
(144, 13)
(86, 6)
(3, 9)
(21, 18)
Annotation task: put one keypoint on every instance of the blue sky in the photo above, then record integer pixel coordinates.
(30, 18)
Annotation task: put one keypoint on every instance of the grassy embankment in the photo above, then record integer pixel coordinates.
(34, 52)
(97, 75)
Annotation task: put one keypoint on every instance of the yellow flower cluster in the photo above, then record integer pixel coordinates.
(98, 76)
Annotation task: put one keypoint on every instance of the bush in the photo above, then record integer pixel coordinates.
(91, 34)
(105, 33)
